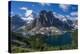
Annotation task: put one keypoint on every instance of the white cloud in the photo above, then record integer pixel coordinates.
(28, 17)
(74, 13)
(59, 16)
(11, 12)
(44, 3)
(72, 17)
(64, 7)
(23, 8)
(28, 12)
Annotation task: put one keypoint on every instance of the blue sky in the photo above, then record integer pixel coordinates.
(18, 7)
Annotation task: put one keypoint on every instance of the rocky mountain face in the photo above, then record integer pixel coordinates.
(45, 23)
(47, 19)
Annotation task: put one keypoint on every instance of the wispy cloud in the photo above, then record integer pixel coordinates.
(11, 12)
(28, 13)
(73, 16)
(28, 17)
(23, 8)
(43, 3)
(60, 16)
(64, 7)
(74, 13)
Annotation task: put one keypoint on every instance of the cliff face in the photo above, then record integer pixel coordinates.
(47, 19)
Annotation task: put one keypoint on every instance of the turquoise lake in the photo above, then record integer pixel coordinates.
(63, 39)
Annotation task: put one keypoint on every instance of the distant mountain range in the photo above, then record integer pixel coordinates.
(44, 19)
(16, 22)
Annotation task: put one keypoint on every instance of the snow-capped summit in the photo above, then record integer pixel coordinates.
(29, 16)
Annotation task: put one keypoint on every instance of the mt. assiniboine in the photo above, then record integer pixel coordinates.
(44, 19)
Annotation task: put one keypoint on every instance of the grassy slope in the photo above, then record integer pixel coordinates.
(36, 43)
